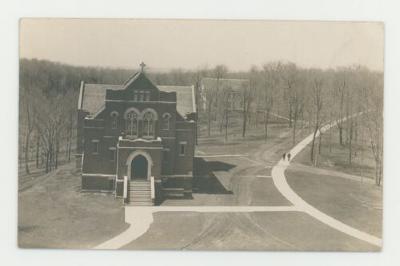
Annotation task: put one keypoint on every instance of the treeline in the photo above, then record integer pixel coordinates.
(306, 98)
(48, 102)
(47, 109)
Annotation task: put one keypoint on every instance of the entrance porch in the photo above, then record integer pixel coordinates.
(139, 171)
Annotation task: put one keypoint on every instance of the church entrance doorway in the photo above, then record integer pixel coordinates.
(139, 168)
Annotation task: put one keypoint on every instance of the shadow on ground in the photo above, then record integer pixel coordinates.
(204, 181)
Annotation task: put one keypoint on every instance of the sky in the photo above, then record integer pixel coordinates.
(192, 44)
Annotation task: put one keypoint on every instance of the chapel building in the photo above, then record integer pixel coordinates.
(137, 139)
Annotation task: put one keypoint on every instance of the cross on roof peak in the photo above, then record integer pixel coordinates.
(142, 66)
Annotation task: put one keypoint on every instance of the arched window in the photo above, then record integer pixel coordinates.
(132, 123)
(114, 119)
(148, 124)
(165, 121)
(147, 96)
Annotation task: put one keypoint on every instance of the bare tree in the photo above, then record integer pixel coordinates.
(350, 124)
(317, 99)
(212, 96)
(271, 80)
(289, 76)
(297, 110)
(69, 123)
(197, 77)
(373, 101)
(37, 150)
(226, 105)
(28, 104)
(220, 72)
(340, 93)
(51, 125)
(248, 98)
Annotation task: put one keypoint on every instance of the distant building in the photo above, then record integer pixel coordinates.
(137, 140)
(213, 87)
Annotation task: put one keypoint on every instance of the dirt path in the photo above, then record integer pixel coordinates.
(242, 183)
(278, 175)
(140, 219)
(253, 168)
(326, 172)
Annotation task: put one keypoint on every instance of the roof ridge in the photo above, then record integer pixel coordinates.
(131, 78)
(102, 84)
(174, 85)
(135, 77)
(226, 78)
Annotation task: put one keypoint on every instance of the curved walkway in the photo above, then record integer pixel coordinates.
(138, 225)
(279, 179)
(326, 172)
(140, 218)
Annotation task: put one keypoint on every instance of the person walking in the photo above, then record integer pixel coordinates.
(284, 156)
(288, 156)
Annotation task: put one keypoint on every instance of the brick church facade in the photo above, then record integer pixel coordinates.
(137, 140)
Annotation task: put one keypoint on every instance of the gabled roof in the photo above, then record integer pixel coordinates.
(131, 79)
(234, 84)
(139, 79)
(185, 98)
(92, 96)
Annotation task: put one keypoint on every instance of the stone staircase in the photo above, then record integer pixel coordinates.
(139, 193)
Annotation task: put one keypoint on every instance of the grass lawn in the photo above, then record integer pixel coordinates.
(53, 213)
(336, 157)
(358, 205)
(236, 144)
(274, 231)
(242, 185)
(238, 180)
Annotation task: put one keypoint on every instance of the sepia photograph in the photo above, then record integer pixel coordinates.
(200, 134)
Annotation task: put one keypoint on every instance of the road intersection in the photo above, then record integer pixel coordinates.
(140, 218)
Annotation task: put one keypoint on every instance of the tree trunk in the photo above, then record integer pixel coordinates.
(266, 121)
(51, 159)
(67, 145)
(226, 125)
(320, 143)
(341, 135)
(294, 124)
(380, 173)
(221, 120)
(313, 145)
(350, 138)
(209, 119)
(27, 143)
(37, 150)
(47, 161)
(244, 124)
(56, 155)
(42, 158)
(330, 140)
